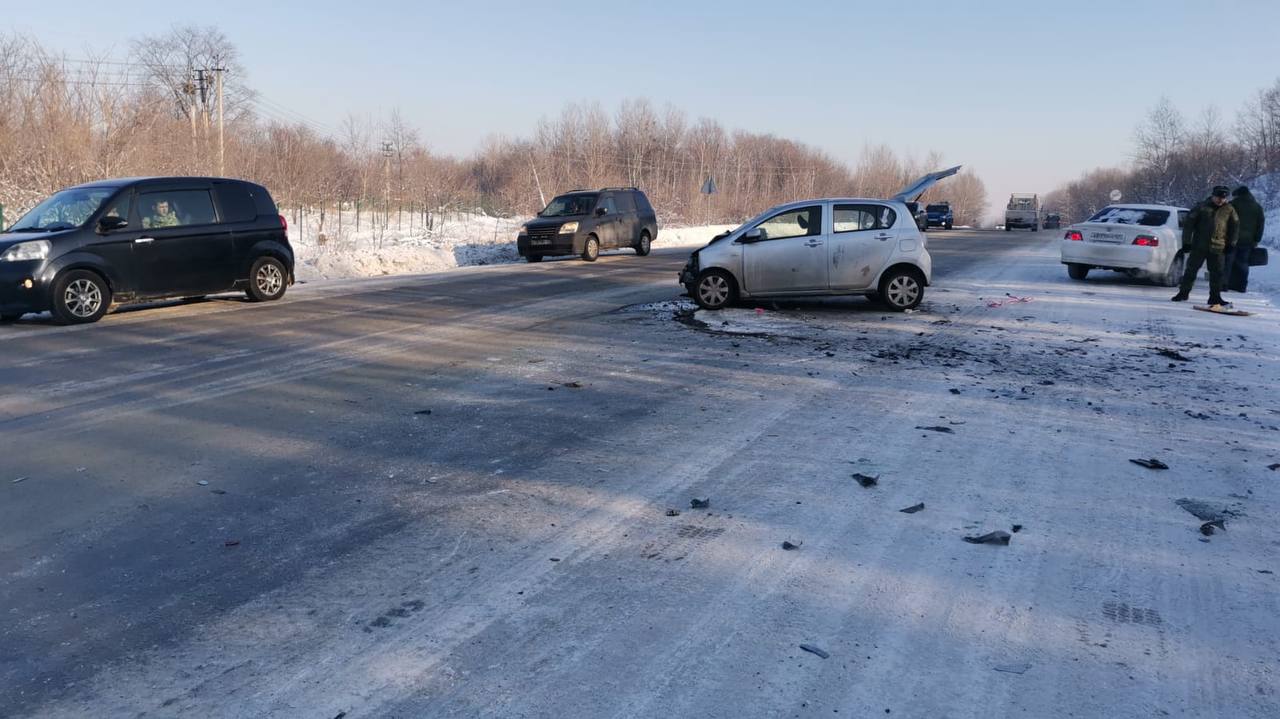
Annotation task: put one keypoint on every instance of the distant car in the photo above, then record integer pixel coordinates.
(1052, 221)
(1138, 240)
(918, 212)
(939, 215)
(89, 247)
(584, 222)
(819, 247)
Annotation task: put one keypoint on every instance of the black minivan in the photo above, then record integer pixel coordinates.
(88, 247)
(584, 222)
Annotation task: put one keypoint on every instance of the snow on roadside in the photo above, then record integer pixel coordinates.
(460, 240)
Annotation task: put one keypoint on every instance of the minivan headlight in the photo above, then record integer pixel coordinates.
(568, 228)
(26, 251)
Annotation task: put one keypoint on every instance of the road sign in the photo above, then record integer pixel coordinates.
(1116, 195)
(709, 187)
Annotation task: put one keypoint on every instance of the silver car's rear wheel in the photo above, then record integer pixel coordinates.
(902, 290)
(714, 290)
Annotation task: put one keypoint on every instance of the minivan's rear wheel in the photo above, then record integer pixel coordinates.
(714, 290)
(80, 297)
(533, 258)
(268, 280)
(1077, 271)
(902, 289)
(642, 248)
(591, 249)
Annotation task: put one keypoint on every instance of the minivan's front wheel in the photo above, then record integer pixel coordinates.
(902, 289)
(591, 249)
(268, 280)
(80, 297)
(714, 290)
(533, 258)
(643, 247)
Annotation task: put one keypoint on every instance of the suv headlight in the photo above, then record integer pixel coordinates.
(26, 251)
(568, 228)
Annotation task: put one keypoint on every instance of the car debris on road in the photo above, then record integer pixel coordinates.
(1152, 463)
(999, 537)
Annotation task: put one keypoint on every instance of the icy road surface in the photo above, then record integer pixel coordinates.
(448, 496)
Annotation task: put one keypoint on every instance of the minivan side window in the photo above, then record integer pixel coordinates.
(803, 222)
(857, 218)
(610, 205)
(643, 202)
(625, 203)
(176, 208)
(120, 207)
(235, 204)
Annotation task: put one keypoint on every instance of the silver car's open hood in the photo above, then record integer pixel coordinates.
(912, 192)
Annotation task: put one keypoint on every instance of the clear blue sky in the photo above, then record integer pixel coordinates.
(1027, 93)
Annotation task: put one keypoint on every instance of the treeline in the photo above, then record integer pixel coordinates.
(65, 121)
(1176, 161)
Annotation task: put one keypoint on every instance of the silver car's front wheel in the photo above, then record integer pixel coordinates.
(902, 290)
(714, 290)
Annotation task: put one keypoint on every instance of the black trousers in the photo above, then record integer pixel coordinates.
(1236, 268)
(1201, 256)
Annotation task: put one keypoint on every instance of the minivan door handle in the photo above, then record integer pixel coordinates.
(883, 237)
(144, 240)
(813, 243)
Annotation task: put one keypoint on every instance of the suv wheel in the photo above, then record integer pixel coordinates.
(714, 289)
(533, 258)
(642, 248)
(948, 225)
(1077, 271)
(80, 297)
(902, 289)
(268, 280)
(591, 249)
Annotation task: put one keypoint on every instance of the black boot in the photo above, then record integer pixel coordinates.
(1181, 297)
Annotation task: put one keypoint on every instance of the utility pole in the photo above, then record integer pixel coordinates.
(204, 100)
(189, 89)
(222, 152)
(386, 188)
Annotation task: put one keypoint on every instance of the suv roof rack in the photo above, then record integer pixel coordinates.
(615, 189)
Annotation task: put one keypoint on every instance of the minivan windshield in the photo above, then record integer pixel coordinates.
(64, 210)
(1132, 216)
(569, 205)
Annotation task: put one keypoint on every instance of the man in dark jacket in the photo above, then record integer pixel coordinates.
(1210, 231)
(1252, 222)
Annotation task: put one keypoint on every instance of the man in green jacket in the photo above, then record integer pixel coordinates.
(1252, 222)
(1210, 232)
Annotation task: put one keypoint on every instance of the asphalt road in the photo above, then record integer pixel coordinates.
(217, 478)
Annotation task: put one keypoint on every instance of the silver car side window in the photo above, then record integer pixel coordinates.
(860, 218)
(801, 222)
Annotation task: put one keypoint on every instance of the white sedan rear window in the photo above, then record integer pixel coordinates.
(1132, 216)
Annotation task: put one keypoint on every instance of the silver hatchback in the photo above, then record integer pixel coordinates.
(835, 246)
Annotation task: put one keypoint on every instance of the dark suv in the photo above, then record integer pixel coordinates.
(94, 245)
(584, 222)
(940, 215)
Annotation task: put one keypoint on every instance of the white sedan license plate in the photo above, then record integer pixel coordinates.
(1106, 236)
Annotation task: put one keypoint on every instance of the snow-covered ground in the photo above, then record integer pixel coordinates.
(457, 240)
(561, 587)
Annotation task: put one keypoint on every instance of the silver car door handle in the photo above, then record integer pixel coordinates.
(882, 238)
(144, 240)
(813, 244)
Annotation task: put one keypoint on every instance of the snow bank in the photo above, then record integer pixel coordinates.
(457, 240)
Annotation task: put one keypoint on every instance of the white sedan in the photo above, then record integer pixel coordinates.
(1138, 240)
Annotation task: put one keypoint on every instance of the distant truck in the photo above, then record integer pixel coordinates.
(1023, 211)
(939, 215)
